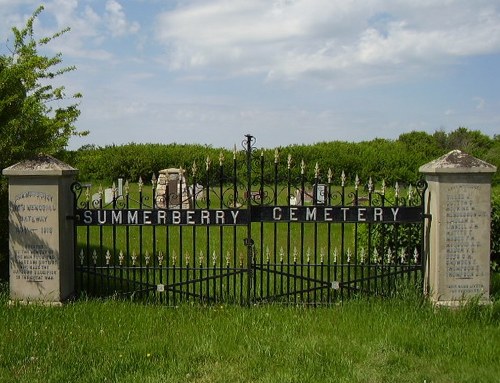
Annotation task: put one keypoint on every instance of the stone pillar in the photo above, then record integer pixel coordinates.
(458, 234)
(41, 238)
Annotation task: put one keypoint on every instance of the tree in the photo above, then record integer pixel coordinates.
(472, 142)
(29, 122)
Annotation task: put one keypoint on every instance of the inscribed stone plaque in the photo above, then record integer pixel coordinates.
(41, 241)
(465, 232)
(34, 242)
(458, 234)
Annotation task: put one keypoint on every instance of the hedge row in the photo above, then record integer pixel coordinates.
(391, 160)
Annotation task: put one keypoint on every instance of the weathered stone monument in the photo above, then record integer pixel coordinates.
(40, 237)
(458, 234)
(172, 191)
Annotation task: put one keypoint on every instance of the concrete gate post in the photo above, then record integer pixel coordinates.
(458, 235)
(41, 239)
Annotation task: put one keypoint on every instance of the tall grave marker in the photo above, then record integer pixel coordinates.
(40, 236)
(458, 234)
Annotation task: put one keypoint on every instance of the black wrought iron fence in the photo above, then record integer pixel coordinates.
(242, 240)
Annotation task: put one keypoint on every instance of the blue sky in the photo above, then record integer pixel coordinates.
(285, 71)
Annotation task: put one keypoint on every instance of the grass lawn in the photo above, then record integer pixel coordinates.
(402, 339)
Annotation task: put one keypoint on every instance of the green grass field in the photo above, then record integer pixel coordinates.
(400, 339)
(403, 339)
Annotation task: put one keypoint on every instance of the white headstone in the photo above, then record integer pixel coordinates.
(108, 195)
(120, 187)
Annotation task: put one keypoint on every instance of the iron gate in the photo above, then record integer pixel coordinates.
(248, 235)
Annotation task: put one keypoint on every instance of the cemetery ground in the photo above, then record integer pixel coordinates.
(398, 339)
(401, 339)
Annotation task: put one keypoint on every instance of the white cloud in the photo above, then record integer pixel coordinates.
(93, 25)
(85, 39)
(268, 67)
(335, 41)
(117, 21)
(480, 103)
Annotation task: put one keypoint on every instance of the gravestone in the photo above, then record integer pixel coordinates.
(321, 194)
(172, 192)
(96, 199)
(120, 188)
(108, 195)
(308, 197)
(197, 192)
(40, 236)
(458, 234)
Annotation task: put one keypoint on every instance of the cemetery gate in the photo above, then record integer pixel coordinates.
(248, 231)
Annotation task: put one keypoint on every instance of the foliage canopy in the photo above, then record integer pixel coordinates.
(30, 122)
(379, 159)
(35, 116)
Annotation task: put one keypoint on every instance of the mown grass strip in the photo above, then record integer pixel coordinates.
(395, 340)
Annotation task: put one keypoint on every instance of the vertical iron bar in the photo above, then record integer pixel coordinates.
(289, 227)
(115, 198)
(366, 262)
(174, 278)
(195, 262)
(241, 279)
(88, 250)
(168, 270)
(200, 276)
(87, 287)
(261, 199)
(101, 255)
(127, 245)
(282, 276)
(235, 231)
(188, 274)
(315, 249)
(249, 240)
(214, 279)
(275, 225)
(355, 255)
(154, 251)
(75, 246)
(141, 277)
(221, 229)
(207, 249)
(181, 236)
(303, 195)
(195, 284)
(193, 238)
(167, 265)
(228, 280)
(328, 200)
(342, 242)
(160, 276)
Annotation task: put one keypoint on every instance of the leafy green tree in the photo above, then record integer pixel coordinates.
(472, 142)
(493, 157)
(29, 121)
